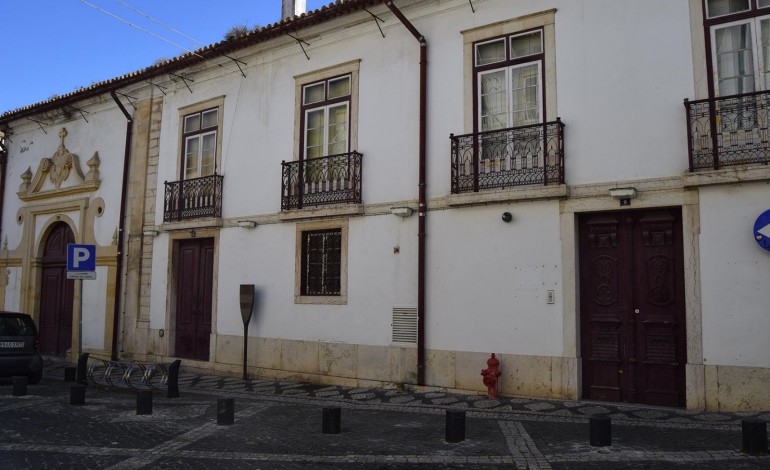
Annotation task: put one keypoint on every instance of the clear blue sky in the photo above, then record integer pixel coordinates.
(53, 47)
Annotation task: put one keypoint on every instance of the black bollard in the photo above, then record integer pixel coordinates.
(144, 402)
(82, 373)
(173, 380)
(225, 411)
(19, 386)
(600, 431)
(69, 374)
(754, 436)
(331, 420)
(78, 395)
(455, 425)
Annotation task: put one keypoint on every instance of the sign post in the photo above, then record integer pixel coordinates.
(247, 307)
(81, 264)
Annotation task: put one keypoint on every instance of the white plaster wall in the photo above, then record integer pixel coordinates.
(94, 308)
(487, 280)
(13, 290)
(105, 132)
(378, 279)
(735, 275)
(621, 100)
(259, 119)
(623, 70)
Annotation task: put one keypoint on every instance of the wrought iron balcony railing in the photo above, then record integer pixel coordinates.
(193, 198)
(510, 157)
(335, 179)
(728, 131)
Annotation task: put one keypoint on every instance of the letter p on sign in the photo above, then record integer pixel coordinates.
(79, 255)
(81, 261)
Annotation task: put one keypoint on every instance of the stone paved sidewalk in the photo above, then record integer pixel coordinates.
(278, 426)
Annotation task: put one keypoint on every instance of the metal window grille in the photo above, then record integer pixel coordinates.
(321, 262)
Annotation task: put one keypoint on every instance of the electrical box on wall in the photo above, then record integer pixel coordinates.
(550, 296)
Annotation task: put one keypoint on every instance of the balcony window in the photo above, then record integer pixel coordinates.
(198, 191)
(327, 169)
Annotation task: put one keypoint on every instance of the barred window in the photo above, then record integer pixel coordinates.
(321, 262)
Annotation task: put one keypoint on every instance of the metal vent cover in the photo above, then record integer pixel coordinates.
(404, 325)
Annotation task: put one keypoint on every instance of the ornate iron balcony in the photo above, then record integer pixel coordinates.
(335, 179)
(510, 157)
(193, 198)
(728, 131)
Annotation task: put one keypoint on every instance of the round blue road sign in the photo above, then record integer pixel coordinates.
(762, 230)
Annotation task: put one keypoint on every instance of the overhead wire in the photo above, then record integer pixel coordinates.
(237, 62)
(158, 22)
(140, 28)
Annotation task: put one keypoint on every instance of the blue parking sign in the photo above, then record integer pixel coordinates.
(81, 261)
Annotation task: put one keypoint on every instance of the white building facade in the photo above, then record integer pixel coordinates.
(411, 186)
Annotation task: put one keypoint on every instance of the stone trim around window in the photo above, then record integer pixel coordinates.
(544, 20)
(218, 102)
(342, 299)
(352, 67)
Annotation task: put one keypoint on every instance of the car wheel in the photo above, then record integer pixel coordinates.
(35, 378)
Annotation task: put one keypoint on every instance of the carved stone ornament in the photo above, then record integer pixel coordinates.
(62, 167)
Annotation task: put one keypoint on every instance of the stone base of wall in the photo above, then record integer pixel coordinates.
(357, 365)
(731, 388)
(713, 388)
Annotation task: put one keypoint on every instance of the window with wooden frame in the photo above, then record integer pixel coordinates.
(200, 139)
(321, 264)
(509, 81)
(326, 117)
(327, 111)
(739, 34)
(509, 73)
(740, 45)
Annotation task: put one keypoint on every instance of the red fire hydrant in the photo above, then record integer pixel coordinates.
(491, 373)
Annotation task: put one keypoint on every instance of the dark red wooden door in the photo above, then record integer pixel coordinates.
(195, 270)
(633, 338)
(56, 293)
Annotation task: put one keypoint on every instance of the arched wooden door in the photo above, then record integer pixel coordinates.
(56, 293)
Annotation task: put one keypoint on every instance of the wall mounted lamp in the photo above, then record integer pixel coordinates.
(402, 211)
(247, 224)
(150, 233)
(624, 195)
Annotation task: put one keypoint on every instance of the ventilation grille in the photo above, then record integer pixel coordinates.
(405, 325)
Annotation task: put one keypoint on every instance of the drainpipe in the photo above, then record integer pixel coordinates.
(3, 167)
(121, 227)
(423, 201)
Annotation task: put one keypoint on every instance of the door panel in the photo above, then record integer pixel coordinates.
(195, 268)
(632, 307)
(50, 307)
(660, 301)
(56, 293)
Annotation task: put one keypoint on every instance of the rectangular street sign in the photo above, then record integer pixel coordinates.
(81, 261)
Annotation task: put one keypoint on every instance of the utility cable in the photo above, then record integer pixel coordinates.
(158, 22)
(141, 29)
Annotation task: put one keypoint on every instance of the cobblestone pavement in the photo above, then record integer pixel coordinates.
(278, 426)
